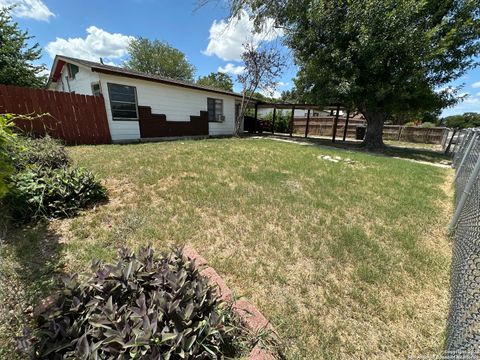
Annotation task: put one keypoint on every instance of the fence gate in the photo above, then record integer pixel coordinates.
(76, 119)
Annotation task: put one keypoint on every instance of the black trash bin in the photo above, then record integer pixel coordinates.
(360, 132)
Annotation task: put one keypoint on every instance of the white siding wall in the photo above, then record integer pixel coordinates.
(82, 84)
(177, 103)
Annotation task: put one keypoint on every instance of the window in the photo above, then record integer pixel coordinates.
(72, 71)
(123, 101)
(215, 110)
(96, 89)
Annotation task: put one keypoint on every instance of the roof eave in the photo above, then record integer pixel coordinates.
(147, 78)
(52, 71)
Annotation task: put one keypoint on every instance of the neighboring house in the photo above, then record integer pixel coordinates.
(144, 106)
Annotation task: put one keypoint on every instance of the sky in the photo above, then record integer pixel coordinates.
(94, 29)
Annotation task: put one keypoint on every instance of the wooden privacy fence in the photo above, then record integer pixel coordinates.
(324, 127)
(321, 126)
(76, 119)
(414, 134)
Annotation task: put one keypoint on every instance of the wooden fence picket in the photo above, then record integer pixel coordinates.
(76, 119)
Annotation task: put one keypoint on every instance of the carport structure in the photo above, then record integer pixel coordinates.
(309, 107)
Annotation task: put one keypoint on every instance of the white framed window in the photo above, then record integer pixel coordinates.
(215, 110)
(96, 89)
(123, 101)
(72, 71)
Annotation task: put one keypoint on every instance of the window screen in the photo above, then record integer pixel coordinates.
(123, 101)
(96, 89)
(72, 70)
(214, 108)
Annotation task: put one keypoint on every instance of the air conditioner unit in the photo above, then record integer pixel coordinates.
(221, 118)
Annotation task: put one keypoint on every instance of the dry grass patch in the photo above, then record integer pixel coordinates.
(348, 260)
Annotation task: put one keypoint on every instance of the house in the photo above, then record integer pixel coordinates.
(142, 106)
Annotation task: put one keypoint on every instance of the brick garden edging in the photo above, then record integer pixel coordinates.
(249, 315)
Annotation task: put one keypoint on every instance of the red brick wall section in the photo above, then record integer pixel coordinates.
(223, 291)
(156, 125)
(250, 316)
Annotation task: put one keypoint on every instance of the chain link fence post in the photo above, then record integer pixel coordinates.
(465, 154)
(459, 151)
(460, 137)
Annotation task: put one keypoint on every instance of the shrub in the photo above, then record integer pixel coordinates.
(36, 192)
(410, 123)
(282, 120)
(141, 308)
(7, 138)
(427, 125)
(35, 179)
(44, 152)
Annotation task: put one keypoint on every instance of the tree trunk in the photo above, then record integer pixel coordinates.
(238, 124)
(374, 136)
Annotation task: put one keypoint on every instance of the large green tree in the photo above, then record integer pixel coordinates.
(17, 57)
(467, 120)
(382, 57)
(216, 80)
(158, 58)
(290, 96)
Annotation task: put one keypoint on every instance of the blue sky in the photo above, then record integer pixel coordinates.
(102, 28)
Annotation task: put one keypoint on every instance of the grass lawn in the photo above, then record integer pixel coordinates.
(406, 144)
(421, 152)
(347, 260)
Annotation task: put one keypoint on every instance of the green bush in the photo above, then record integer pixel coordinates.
(7, 138)
(282, 120)
(427, 125)
(410, 123)
(43, 152)
(40, 183)
(46, 192)
(141, 308)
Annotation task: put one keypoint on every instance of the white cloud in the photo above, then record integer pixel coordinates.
(33, 9)
(231, 69)
(272, 92)
(447, 89)
(227, 37)
(44, 72)
(98, 43)
(472, 101)
(476, 84)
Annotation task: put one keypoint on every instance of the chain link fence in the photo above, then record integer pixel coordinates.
(463, 334)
